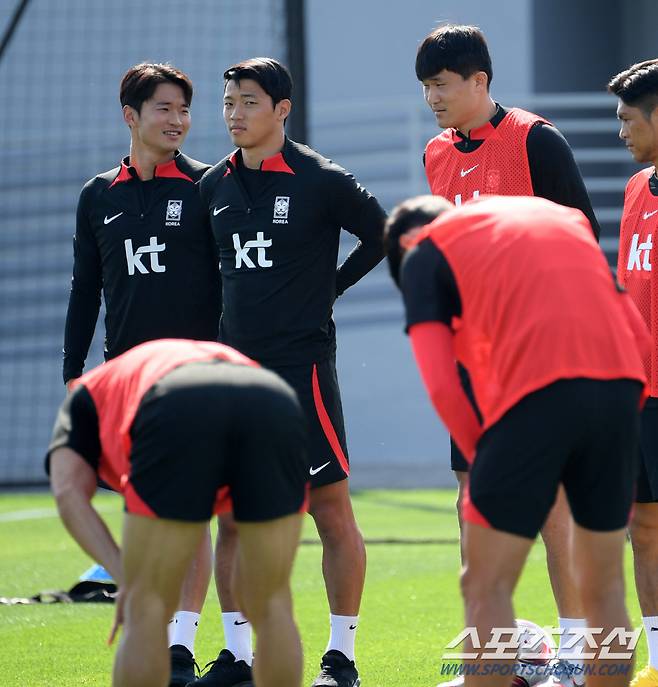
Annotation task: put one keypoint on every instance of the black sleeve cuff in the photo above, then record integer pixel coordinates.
(76, 427)
(428, 286)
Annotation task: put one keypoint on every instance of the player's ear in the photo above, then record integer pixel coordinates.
(406, 240)
(130, 116)
(481, 80)
(283, 108)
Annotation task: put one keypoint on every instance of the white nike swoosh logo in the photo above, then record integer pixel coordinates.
(464, 172)
(314, 471)
(107, 219)
(216, 211)
(646, 215)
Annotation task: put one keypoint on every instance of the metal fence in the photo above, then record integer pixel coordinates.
(62, 124)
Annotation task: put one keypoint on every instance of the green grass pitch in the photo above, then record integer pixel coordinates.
(411, 605)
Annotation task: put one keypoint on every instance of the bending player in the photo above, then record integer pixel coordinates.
(168, 423)
(519, 292)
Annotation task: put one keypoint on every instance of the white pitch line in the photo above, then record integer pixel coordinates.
(40, 514)
(35, 514)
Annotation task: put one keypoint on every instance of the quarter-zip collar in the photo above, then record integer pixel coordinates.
(275, 163)
(165, 170)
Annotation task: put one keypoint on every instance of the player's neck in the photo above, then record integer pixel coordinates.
(145, 160)
(480, 117)
(253, 156)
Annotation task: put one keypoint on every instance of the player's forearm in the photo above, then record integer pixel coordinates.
(433, 350)
(555, 173)
(81, 319)
(88, 529)
(364, 257)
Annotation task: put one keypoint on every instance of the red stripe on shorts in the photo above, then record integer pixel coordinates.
(223, 503)
(327, 427)
(470, 513)
(307, 499)
(134, 503)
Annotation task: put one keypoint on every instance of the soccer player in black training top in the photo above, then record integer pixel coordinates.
(277, 209)
(143, 239)
(486, 148)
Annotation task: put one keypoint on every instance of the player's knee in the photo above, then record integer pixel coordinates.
(480, 584)
(146, 608)
(644, 532)
(600, 588)
(261, 606)
(330, 507)
(335, 523)
(594, 601)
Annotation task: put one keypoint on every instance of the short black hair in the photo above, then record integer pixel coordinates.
(273, 77)
(139, 83)
(410, 214)
(637, 86)
(456, 47)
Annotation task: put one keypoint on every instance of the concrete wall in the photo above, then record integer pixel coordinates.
(638, 31)
(367, 49)
(578, 46)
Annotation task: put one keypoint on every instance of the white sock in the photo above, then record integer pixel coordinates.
(568, 625)
(343, 633)
(651, 630)
(237, 635)
(182, 629)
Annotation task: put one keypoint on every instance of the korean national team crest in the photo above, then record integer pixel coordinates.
(492, 182)
(281, 209)
(174, 212)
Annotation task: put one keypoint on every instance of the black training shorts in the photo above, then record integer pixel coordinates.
(647, 479)
(212, 424)
(578, 432)
(200, 428)
(316, 386)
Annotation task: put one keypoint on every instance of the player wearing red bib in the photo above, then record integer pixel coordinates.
(637, 90)
(518, 291)
(486, 148)
(168, 424)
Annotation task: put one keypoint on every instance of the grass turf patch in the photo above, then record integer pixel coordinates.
(411, 606)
